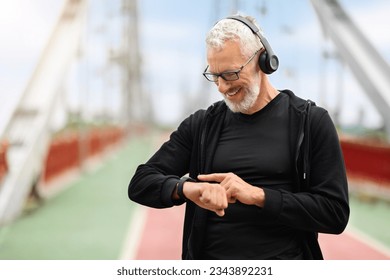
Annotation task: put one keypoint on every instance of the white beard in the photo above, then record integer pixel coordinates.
(250, 97)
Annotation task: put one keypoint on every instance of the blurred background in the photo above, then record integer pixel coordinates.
(89, 90)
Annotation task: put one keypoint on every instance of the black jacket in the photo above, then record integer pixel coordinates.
(318, 204)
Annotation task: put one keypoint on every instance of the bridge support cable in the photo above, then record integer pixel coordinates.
(365, 62)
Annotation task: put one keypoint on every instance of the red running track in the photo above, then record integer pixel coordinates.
(161, 240)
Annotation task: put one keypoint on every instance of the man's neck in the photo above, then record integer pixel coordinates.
(267, 93)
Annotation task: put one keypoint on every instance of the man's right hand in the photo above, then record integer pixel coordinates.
(210, 196)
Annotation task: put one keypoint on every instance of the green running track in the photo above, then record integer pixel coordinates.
(89, 219)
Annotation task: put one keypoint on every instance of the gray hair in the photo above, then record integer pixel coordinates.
(233, 30)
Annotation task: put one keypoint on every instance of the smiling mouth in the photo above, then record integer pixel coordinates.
(232, 93)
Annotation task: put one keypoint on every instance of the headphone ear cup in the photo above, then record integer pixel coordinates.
(268, 61)
(268, 64)
(264, 63)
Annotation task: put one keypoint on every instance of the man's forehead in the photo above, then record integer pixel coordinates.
(229, 51)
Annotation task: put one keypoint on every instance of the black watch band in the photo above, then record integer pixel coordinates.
(180, 187)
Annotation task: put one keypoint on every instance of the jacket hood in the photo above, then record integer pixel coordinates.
(297, 103)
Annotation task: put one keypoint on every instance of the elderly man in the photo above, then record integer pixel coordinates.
(266, 172)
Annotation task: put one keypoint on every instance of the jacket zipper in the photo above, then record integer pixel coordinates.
(300, 141)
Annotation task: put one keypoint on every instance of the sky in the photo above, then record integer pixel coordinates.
(294, 32)
(172, 49)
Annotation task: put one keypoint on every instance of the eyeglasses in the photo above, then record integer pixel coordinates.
(230, 75)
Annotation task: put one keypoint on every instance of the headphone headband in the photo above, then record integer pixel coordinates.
(268, 61)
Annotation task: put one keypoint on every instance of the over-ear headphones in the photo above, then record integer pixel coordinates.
(268, 61)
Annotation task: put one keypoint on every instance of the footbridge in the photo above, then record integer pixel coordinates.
(367, 65)
(28, 131)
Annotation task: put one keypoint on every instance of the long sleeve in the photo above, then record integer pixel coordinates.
(153, 182)
(323, 207)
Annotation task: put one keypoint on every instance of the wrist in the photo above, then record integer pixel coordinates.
(259, 197)
(180, 186)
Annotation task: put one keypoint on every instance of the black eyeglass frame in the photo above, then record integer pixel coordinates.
(230, 75)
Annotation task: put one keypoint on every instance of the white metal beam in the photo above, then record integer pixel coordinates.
(28, 131)
(365, 62)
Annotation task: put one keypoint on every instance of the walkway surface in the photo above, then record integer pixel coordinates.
(93, 219)
(166, 225)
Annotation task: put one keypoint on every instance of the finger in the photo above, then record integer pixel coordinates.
(220, 212)
(207, 205)
(213, 177)
(218, 197)
(231, 191)
(222, 201)
(214, 201)
(230, 197)
(205, 197)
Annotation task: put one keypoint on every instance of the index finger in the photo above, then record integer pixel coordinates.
(213, 177)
